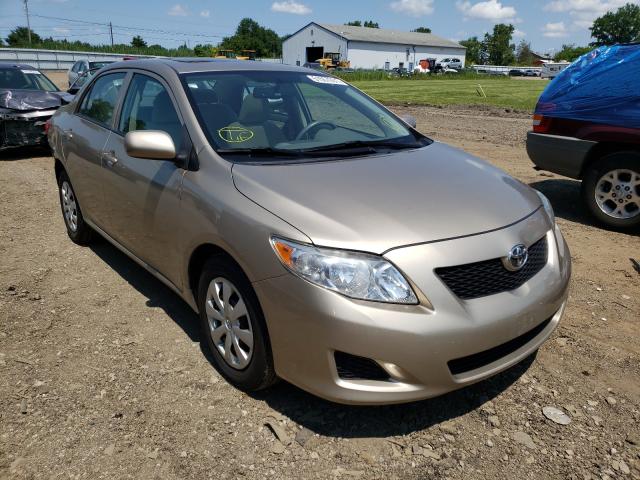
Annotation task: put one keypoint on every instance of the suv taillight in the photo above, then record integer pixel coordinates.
(541, 123)
(47, 126)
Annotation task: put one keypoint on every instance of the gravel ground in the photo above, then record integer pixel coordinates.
(103, 374)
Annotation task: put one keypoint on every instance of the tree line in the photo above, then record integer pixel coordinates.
(496, 48)
(249, 35)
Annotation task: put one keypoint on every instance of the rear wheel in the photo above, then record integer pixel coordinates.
(77, 229)
(233, 326)
(611, 189)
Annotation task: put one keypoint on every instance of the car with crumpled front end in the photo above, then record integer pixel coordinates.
(321, 238)
(28, 98)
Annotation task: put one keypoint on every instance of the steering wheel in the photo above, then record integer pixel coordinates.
(314, 127)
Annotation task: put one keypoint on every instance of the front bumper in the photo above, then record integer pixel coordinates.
(21, 129)
(563, 155)
(414, 344)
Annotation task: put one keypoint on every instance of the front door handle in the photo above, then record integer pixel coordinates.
(110, 158)
(67, 134)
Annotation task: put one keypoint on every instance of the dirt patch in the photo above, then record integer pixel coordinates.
(103, 375)
(465, 110)
(59, 77)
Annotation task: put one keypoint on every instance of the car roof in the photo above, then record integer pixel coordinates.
(199, 64)
(17, 66)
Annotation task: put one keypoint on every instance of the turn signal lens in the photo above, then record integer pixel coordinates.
(285, 252)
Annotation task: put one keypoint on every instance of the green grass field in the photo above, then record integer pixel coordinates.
(500, 92)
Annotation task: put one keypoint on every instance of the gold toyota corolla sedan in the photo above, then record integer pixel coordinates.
(320, 237)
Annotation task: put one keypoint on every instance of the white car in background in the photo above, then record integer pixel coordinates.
(450, 63)
(82, 66)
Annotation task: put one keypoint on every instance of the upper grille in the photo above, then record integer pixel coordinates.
(489, 277)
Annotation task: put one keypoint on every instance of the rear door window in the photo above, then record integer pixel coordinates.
(100, 102)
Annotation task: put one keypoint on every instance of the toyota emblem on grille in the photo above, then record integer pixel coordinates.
(516, 258)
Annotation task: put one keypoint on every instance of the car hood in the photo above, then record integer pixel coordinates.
(24, 100)
(381, 202)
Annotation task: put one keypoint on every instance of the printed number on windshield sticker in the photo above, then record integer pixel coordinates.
(325, 80)
(235, 134)
(385, 121)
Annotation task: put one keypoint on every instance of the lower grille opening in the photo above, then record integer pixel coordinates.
(481, 359)
(352, 367)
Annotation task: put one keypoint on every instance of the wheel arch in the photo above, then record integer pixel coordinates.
(602, 149)
(198, 258)
(58, 168)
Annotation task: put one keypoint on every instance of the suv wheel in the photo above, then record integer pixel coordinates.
(611, 189)
(233, 326)
(79, 232)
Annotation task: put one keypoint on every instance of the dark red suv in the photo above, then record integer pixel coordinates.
(587, 126)
(606, 158)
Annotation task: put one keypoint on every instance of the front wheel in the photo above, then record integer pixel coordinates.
(611, 189)
(233, 326)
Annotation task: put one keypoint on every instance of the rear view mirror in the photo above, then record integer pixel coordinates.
(409, 120)
(151, 144)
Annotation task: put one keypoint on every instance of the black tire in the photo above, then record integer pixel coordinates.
(630, 161)
(82, 234)
(259, 373)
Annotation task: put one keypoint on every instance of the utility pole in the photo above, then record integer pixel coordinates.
(111, 32)
(26, 8)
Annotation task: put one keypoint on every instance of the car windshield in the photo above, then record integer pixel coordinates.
(25, 79)
(84, 78)
(97, 65)
(272, 113)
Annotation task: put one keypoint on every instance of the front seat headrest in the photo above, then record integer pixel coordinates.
(253, 111)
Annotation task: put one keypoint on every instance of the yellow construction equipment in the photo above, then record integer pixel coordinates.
(225, 54)
(332, 60)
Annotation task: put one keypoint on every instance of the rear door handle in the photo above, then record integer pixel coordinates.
(110, 158)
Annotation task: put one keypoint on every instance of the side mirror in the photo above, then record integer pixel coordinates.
(409, 120)
(151, 144)
(73, 89)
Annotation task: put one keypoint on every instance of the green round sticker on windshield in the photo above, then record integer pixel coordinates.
(235, 134)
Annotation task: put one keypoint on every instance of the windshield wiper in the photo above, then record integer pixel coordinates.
(259, 152)
(360, 144)
(353, 150)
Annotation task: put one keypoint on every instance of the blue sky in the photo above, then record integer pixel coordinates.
(547, 24)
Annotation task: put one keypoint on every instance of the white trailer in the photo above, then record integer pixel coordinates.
(551, 70)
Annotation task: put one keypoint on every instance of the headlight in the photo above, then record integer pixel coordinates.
(356, 275)
(547, 207)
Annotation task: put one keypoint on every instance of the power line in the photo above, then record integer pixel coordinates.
(125, 27)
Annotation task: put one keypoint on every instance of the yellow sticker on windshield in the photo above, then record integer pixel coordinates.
(235, 134)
